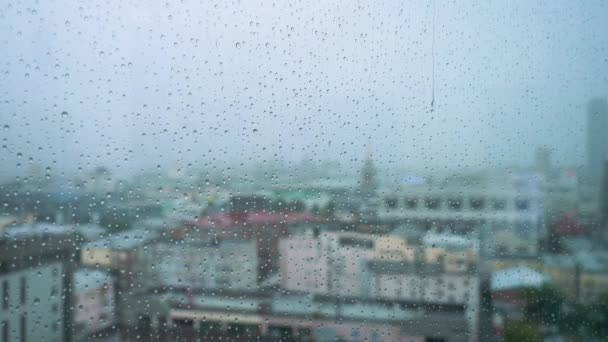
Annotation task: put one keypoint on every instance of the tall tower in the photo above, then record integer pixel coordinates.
(368, 189)
(597, 137)
(369, 184)
(604, 199)
(543, 160)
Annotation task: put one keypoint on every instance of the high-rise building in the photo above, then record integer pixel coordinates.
(597, 141)
(36, 266)
(604, 197)
(369, 187)
(368, 177)
(543, 160)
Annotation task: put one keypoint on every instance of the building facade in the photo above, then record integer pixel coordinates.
(95, 307)
(36, 266)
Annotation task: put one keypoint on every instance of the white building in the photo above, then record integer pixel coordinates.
(94, 304)
(305, 255)
(229, 265)
(510, 207)
(331, 263)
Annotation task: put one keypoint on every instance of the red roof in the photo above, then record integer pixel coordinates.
(567, 225)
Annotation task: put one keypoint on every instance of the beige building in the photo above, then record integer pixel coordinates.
(582, 276)
(436, 269)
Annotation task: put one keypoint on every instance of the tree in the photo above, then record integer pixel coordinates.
(543, 305)
(517, 331)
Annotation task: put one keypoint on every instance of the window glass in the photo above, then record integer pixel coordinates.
(422, 170)
(477, 203)
(411, 203)
(455, 203)
(432, 203)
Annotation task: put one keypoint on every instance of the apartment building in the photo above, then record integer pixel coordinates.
(36, 266)
(438, 269)
(195, 264)
(95, 305)
(511, 210)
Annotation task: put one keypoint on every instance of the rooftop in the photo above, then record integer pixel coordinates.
(36, 230)
(517, 278)
(588, 261)
(449, 241)
(228, 220)
(124, 240)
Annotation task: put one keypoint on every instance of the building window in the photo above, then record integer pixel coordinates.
(391, 202)
(455, 204)
(432, 203)
(522, 204)
(5, 330)
(499, 204)
(5, 295)
(477, 203)
(411, 203)
(23, 290)
(23, 328)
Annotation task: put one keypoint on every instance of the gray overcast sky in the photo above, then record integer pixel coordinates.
(146, 83)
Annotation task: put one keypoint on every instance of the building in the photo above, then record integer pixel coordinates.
(588, 204)
(124, 256)
(89, 231)
(194, 263)
(265, 228)
(438, 269)
(441, 269)
(604, 201)
(543, 160)
(597, 144)
(95, 307)
(306, 255)
(581, 276)
(36, 266)
(312, 201)
(507, 287)
(329, 263)
(368, 188)
(508, 292)
(508, 208)
(119, 251)
(289, 316)
(562, 196)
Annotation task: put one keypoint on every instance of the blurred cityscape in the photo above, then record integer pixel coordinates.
(311, 252)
